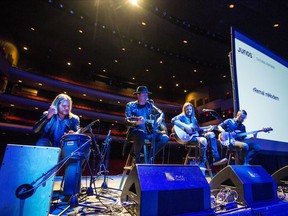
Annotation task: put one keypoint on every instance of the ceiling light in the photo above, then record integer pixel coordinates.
(84, 95)
(25, 48)
(160, 87)
(185, 41)
(161, 62)
(80, 31)
(69, 63)
(20, 81)
(134, 2)
(79, 48)
(276, 25)
(147, 70)
(40, 84)
(33, 29)
(231, 6)
(185, 91)
(177, 84)
(115, 60)
(89, 63)
(123, 49)
(143, 23)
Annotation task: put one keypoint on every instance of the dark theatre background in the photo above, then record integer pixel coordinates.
(99, 51)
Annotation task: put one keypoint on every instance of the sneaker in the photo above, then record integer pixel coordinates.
(220, 162)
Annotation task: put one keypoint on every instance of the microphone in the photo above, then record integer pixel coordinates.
(208, 110)
(150, 101)
(80, 131)
(24, 191)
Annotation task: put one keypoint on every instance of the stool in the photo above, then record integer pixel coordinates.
(195, 158)
(233, 155)
(129, 164)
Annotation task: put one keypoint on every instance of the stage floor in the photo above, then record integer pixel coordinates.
(102, 198)
(107, 201)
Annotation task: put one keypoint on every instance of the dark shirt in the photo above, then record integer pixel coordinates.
(230, 125)
(54, 128)
(148, 111)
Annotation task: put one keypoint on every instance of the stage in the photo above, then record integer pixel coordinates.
(107, 201)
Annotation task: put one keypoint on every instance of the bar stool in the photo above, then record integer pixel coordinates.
(233, 156)
(129, 164)
(195, 157)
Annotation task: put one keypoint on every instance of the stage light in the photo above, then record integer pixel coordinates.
(134, 2)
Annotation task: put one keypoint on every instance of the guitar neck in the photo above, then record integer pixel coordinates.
(247, 133)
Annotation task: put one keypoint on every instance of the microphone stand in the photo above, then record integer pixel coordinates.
(152, 160)
(105, 152)
(215, 116)
(101, 161)
(92, 178)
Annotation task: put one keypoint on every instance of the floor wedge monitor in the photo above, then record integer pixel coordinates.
(252, 183)
(22, 166)
(166, 190)
(281, 176)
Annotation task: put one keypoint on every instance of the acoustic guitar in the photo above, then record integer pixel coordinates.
(149, 123)
(183, 137)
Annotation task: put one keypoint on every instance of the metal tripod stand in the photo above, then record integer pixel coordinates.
(104, 167)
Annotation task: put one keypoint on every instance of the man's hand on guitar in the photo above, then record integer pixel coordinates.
(211, 128)
(140, 120)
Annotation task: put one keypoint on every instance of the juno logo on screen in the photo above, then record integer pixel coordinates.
(245, 52)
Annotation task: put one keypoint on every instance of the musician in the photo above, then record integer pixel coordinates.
(188, 122)
(137, 116)
(56, 122)
(235, 125)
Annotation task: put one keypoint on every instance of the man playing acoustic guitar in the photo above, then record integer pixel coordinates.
(229, 130)
(187, 121)
(141, 127)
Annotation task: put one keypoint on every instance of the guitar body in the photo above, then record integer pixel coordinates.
(149, 124)
(226, 138)
(181, 136)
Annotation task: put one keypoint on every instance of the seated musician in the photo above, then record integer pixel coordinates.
(232, 126)
(138, 114)
(56, 122)
(188, 122)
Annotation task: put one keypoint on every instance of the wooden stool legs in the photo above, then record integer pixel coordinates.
(195, 158)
